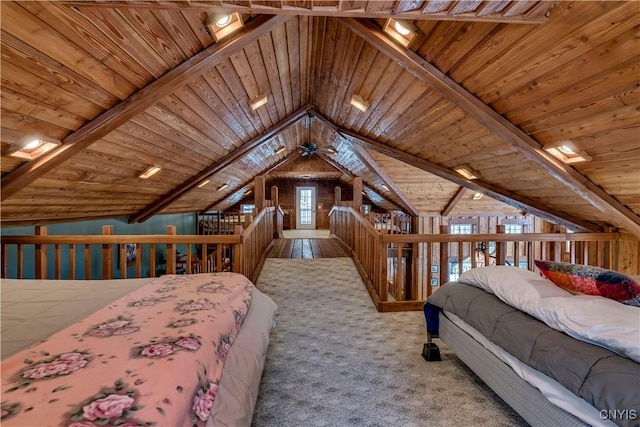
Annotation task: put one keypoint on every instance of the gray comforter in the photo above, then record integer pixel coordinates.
(604, 379)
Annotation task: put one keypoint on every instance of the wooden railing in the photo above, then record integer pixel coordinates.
(220, 223)
(255, 241)
(402, 270)
(110, 256)
(390, 223)
(279, 219)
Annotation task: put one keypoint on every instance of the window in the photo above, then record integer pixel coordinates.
(513, 228)
(246, 209)
(461, 229)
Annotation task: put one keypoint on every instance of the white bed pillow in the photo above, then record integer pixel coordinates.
(513, 285)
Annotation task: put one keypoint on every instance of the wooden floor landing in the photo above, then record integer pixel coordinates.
(306, 249)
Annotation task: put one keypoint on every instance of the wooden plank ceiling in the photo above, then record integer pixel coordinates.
(127, 85)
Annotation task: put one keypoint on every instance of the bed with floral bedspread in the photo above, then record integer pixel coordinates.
(152, 357)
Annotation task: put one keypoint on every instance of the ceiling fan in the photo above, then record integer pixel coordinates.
(308, 149)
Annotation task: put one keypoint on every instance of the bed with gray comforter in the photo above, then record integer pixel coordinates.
(606, 380)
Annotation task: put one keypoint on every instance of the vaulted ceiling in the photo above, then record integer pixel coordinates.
(126, 85)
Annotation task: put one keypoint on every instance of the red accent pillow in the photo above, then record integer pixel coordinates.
(589, 280)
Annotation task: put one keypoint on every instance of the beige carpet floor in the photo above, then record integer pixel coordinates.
(335, 361)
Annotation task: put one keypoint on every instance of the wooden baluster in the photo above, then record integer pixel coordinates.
(5, 262)
(219, 255)
(460, 257)
(152, 260)
(187, 267)
(107, 260)
(72, 262)
(171, 251)
(516, 254)
(41, 254)
(415, 247)
(57, 262)
(87, 262)
(444, 256)
(399, 273)
(429, 261)
(123, 261)
(20, 261)
(382, 272)
(203, 259)
(138, 260)
(238, 251)
(530, 256)
(501, 247)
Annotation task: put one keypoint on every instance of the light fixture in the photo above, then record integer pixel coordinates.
(258, 101)
(567, 152)
(280, 150)
(359, 103)
(203, 183)
(222, 187)
(477, 196)
(401, 31)
(332, 150)
(248, 192)
(467, 172)
(31, 148)
(221, 25)
(224, 21)
(385, 187)
(149, 172)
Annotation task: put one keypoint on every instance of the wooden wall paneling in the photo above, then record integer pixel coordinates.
(48, 79)
(556, 68)
(135, 104)
(267, 51)
(216, 167)
(216, 82)
(498, 194)
(24, 26)
(500, 126)
(348, 60)
(293, 49)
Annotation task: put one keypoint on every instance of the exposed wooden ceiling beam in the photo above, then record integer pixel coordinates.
(496, 123)
(216, 167)
(454, 201)
(275, 7)
(496, 193)
(289, 157)
(137, 103)
(375, 168)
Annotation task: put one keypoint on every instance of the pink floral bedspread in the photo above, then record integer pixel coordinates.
(154, 357)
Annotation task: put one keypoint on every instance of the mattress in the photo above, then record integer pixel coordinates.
(32, 310)
(600, 377)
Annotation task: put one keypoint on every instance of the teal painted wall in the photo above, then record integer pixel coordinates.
(185, 224)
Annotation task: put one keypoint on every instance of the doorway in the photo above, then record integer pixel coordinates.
(305, 208)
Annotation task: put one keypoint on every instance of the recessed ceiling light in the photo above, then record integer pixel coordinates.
(224, 21)
(258, 101)
(149, 172)
(248, 192)
(332, 150)
(280, 150)
(567, 152)
(467, 172)
(359, 103)
(222, 187)
(34, 147)
(401, 31)
(203, 183)
(221, 25)
(385, 187)
(477, 196)
(33, 144)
